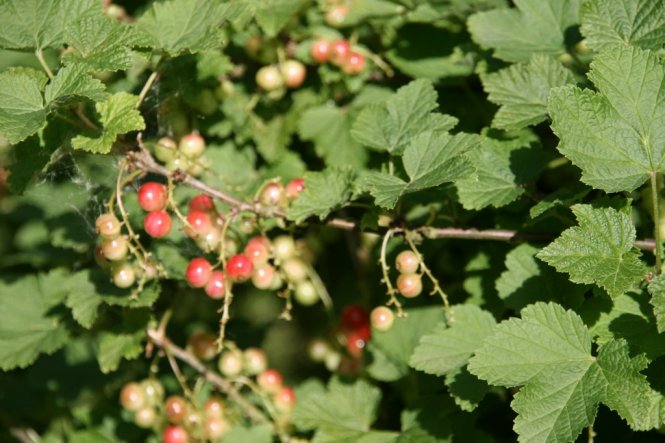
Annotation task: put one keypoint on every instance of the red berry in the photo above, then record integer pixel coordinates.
(270, 381)
(157, 224)
(364, 331)
(354, 64)
(294, 188)
(340, 51)
(108, 226)
(201, 202)
(407, 262)
(216, 286)
(200, 223)
(285, 399)
(293, 73)
(198, 272)
(239, 268)
(175, 408)
(258, 250)
(153, 196)
(269, 78)
(132, 397)
(192, 145)
(409, 285)
(272, 194)
(382, 318)
(355, 344)
(115, 249)
(175, 434)
(321, 51)
(354, 317)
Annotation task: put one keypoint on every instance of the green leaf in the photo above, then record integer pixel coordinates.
(345, 411)
(527, 280)
(535, 27)
(118, 116)
(273, 15)
(502, 169)
(329, 128)
(561, 197)
(600, 250)
(212, 63)
(73, 81)
(36, 24)
(624, 22)
(30, 159)
(390, 126)
(431, 159)
(522, 91)
(324, 192)
(26, 328)
(615, 135)
(657, 291)
(255, 434)
(113, 348)
(365, 9)
(466, 389)
(100, 44)
(390, 350)
(183, 25)
(448, 348)
(232, 169)
(22, 110)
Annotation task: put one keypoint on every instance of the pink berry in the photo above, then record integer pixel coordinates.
(340, 51)
(153, 196)
(115, 249)
(265, 276)
(294, 188)
(175, 434)
(272, 194)
(258, 250)
(270, 381)
(157, 224)
(175, 408)
(108, 226)
(192, 145)
(382, 318)
(321, 51)
(239, 268)
(198, 272)
(201, 202)
(293, 73)
(407, 262)
(285, 399)
(200, 223)
(409, 285)
(354, 64)
(132, 397)
(216, 286)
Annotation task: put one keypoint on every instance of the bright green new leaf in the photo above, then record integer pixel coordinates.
(522, 91)
(535, 27)
(657, 291)
(324, 192)
(391, 126)
(502, 169)
(600, 250)
(22, 110)
(624, 22)
(113, 348)
(183, 25)
(448, 348)
(344, 411)
(390, 350)
(118, 116)
(615, 135)
(26, 327)
(36, 24)
(74, 81)
(101, 44)
(562, 382)
(431, 159)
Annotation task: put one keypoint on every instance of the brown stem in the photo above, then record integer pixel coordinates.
(218, 382)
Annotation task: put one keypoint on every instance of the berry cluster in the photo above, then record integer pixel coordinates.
(409, 281)
(144, 399)
(290, 74)
(153, 198)
(340, 54)
(187, 155)
(187, 422)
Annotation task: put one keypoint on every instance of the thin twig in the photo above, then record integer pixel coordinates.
(390, 289)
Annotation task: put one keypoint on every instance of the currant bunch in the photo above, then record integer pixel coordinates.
(339, 53)
(186, 155)
(409, 281)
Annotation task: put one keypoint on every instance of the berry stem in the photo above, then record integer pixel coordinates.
(174, 207)
(390, 289)
(656, 222)
(40, 56)
(435, 282)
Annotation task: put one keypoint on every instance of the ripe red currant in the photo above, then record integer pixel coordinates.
(157, 224)
(407, 262)
(239, 268)
(269, 78)
(175, 408)
(132, 397)
(272, 194)
(340, 51)
(108, 226)
(231, 363)
(382, 318)
(192, 145)
(175, 434)
(255, 361)
(354, 64)
(202, 345)
(215, 288)
(258, 250)
(293, 73)
(409, 285)
(153, 196)
(198, 272)
(201, 202)
(354, 317)
(355, 344)
(321, 51)
(115, 249)
(270, 381)
(294, 188)
(200, 223)
(123, 275)
(285, 399)
(165, 149)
